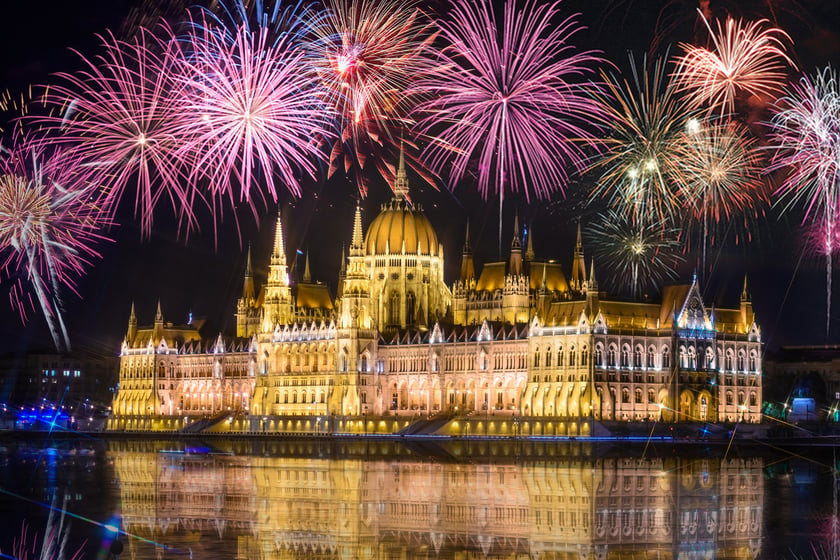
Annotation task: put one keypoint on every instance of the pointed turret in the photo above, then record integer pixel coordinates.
(132, 326)
(578, 278)
(248, 284)
(747, 313)
(467, 264)
(401, 183)
(277, 304)
(529, 252)
(592, 284)
(307, 276)
(278, 251)
(357, 245)
(516, 249)
(157, 333)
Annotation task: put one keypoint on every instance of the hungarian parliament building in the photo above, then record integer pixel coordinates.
(520, 348)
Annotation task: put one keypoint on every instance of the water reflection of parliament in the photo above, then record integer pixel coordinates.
(300, 505)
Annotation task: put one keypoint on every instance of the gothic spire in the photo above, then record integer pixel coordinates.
(248, 284)
(515, 267)
(132, 325)
(467, 264)
(158, 314)
(278, 252)
(516, 244)
(307, 277)
(745, 294)
(467, 248)
(357, 248)
(578, 264)
(592, 285)
(529, 252)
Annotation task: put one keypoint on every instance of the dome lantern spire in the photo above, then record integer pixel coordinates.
(401, 182)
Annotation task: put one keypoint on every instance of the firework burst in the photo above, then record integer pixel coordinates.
(748, 59)
(806, 141)
(250, 111)
(366, 54)
(49, 228)
(120, 114)
(509, 97)
(648, 117)
(639, 254)
(719, 173)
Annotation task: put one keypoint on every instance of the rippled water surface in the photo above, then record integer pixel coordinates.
(385, 499)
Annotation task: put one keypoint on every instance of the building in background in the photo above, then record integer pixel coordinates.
(518, 348)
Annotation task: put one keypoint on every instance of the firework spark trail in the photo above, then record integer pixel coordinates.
(367, 54)
(250, 110)
(748, 58)
(510, 96)
(805, 138)
(121, 112)
(719, 173)
(636, 251)
(49, 226)
(648, 117)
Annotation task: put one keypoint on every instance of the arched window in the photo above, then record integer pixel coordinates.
(753, 361)
(752, 399)
(625, 396)
(740, 398)
(729, 360)
(729, 397)
(364, 365)
(572, 356)
(710, 359)
(638, 396)
(692, 358)
(434, 362)
(666, 358)
(410, 302)
(741, 361)
(599, 356)
(285, 397)
(637, 357)
(584, 356)
(611, 356)
(683, 358)
(294, 397)
(276, 397)
(651, 396)
(561, 357)
(537, 358)
(395, 308)
(650, 357)
(548, 357)
(625, 356)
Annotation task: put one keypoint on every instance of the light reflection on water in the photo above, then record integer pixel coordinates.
(459, 500)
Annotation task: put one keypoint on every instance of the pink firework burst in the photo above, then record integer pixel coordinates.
(251, 110)
(806, 141)
(367, 54)
(509, 96)
(121, 115)
(748, 59)
(50, 225)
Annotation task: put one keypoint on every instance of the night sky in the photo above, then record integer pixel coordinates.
(203, 274)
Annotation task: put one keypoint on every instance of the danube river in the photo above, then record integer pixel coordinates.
(383, 499)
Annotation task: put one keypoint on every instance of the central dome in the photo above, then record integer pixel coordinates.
(397, 222)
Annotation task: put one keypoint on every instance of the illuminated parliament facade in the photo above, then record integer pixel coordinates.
(521, 348)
